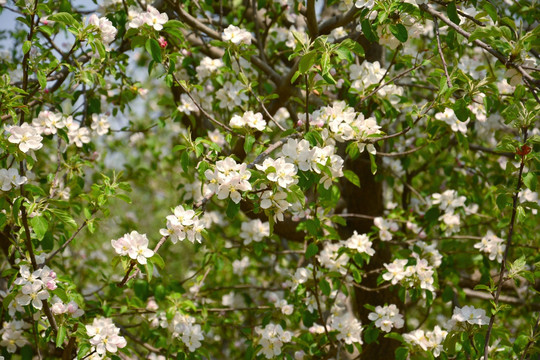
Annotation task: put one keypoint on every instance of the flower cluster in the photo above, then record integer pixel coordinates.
(386, 227)
(183, 224)
(237, 35)
(134, 245)
(331, 259)
(48, 122)
(305, 158)
(10, 178)
(418, 275)
(427, 341)
(58, 307)
(105, 27)
(449, 202)
(449, 117)
(229, 179)
(184, 328)
(254, 230)
(231, 95)
(151, 17)
(348, 327)
(279, 171)
(359, 243)
(104, 336)
(387, 317)
(344, 124)
(35, 286)
(208, 66)
(272, 339)
(366, 74)
(12, 333)
(493, 245)
(468, 314)
(250, 119)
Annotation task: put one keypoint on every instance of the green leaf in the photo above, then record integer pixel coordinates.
(248, 143)
(64, 17)
(402, 353)
(352, 177)
(480, 33)
(40, 226)
(184, 161)
(26, 46)
(373, 164)
(311, 250)
(400, 32)
(232, 209)
(307, 62)
(491, 10)
(325, 287)
(530, 180)
(149, 269)
(61, 336)
(158, 260)
(153, 48)
(452, 12)
(42, 79)
(370, 335)
(368, 31)
(84, 348)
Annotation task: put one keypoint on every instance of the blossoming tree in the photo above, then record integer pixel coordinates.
(270, 179)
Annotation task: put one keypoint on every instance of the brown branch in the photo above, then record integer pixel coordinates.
(61, 248)
(506, 250)
(436, 23)
(311, 20)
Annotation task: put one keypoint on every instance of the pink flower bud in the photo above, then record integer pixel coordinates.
(51, 285)
(72, 307)
(162, 42)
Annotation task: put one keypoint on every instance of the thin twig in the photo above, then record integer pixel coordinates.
(66, 244)
(436, 23)
(507, 249)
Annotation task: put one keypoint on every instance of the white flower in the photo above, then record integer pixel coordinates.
(449, 117)
(350, 329)
(431, 340)
(154, 18)
(33, 292)
(396, 271)
(104, 336)
(26, 136)
(272, 339)
(360, 243)
(385, 227)
(139, 247)
(492, 245)
(236, 35)
(254, 230)
(48, 122)
(11, 177)
(100, 124)
(387, 317)
(183, 224)
(184, 327)
(471, 315)
(187, 106)
(135, 245)
(106, 29)
(282, 173)
(239, 266)
(78, 135)
(330, 258)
